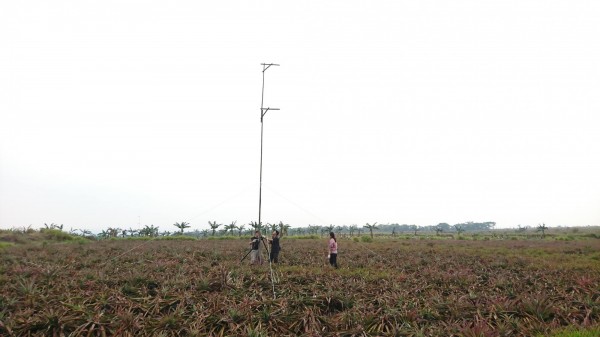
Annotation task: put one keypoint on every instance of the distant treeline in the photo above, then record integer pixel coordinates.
(395, 228)
(233, 229)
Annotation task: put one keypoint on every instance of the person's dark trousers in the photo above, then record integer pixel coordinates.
(274, 256)
(333, 260)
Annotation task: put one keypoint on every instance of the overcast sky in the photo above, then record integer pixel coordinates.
(130, 113)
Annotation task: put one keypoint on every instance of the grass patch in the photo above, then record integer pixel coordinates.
(226, 237)
(160, 238)
(365, 238)
(303, 237)
(575, 332)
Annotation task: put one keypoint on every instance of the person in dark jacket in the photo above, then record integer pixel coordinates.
(275, 247)
(255, 256)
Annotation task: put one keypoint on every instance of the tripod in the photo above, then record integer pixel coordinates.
(250, 251)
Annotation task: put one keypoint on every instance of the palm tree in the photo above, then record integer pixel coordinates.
(283, 228)
(371, 228)
(149, 231)
(53, 226)
(256, 226)
(394, 229)
(103, 234)
(273, 226)
(230, 227)
(542, 228)
(459, 229)
(214, 225)
(113, 232)
(414, 228)
(240, 229)
(438, 229)
(182, 225)
(315, 229)
(352, 229)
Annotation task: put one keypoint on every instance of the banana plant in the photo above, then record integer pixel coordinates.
(182, 225)
(231, 227)
(213, 225)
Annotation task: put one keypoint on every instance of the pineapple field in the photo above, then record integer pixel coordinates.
(400, 286)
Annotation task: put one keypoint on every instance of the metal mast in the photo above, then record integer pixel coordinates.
(263, 112)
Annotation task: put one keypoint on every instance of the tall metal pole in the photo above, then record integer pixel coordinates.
(263, 112)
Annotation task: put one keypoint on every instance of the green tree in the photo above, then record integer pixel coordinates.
(214, 225)
(149, 231)
(371, 228)
(459, 229)
(231, 227)
(273, 227)
(182, 226)
(314, 229)
(283, 228)
(103, 234)
(256, 226)
(415, 229)
(113, 232)
(439, 229)
(240, 229)
(352, 229)
(542, 228)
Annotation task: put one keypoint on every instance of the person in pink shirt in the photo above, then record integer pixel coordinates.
(332, 250)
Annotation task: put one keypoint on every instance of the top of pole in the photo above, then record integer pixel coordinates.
(267, 65)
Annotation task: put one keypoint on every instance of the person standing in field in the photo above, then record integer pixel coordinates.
(255, 257)
(333, 250)
(275, 247)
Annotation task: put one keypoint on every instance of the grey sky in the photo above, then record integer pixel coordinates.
(115, 112)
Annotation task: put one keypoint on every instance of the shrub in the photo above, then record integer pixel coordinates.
(56, 235)
(365, 238)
